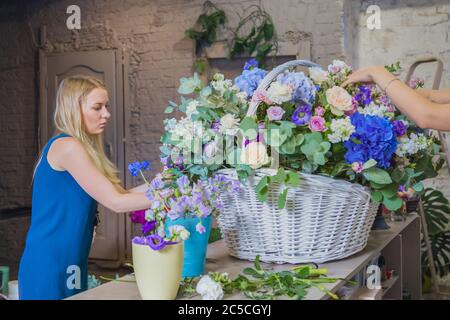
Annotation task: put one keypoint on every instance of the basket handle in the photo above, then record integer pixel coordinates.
(265, 83)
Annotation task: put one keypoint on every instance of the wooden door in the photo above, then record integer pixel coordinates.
(109, 246)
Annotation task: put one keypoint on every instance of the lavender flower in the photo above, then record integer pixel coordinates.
(302, 114)
(200, 228)
(148, 226)
(183, 184)
(155, 242)
(399, 127)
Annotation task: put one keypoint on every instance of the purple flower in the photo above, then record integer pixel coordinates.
(200, 228)
(204, 210)
(183, 184)
(165, 193)
(302, 114)
(250, 64)
(148, 226)
(138, 216)
(399, 127)
(155, 242)
(364, 96)
(138, 240)
(215, 125)
(157, 183)
(275, 113)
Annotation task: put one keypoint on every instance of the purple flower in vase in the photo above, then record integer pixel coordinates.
(200, 228)
(183, 184)
(139, 240)
(155, 242)
(157, 183)
(204, 210)
(148, 226)
(138, 216)
(302, 114)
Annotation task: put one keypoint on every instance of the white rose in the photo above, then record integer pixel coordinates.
(318, 75)
(229, 124)
(209, 289)
(211, 149)
(339, 99)
(255, 155)
(279, 93)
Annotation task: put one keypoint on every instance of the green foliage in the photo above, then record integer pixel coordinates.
(207, 25)
(315, 149)
(257, 283)
(255, 34)
(437, 212)
(286, 177)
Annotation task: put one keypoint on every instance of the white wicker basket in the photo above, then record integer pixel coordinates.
(324, 219)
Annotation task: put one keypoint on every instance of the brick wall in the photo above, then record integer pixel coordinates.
(152, 32)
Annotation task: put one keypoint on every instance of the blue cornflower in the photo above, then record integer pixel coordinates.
(137, 166)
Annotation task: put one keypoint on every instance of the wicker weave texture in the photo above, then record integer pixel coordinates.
(324, 219)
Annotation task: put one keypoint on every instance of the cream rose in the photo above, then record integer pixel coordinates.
(318, 75)
(255, 155)
(339, 99)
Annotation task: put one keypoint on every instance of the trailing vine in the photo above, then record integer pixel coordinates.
(255, 33)
(204, 33)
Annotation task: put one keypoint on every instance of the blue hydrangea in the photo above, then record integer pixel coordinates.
(374, 138)
(249, 80)
(303, 88)
(251, 64)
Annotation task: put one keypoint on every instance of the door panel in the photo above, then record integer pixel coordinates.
(107, 66)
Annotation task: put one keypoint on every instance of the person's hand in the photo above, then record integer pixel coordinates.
(361, 75)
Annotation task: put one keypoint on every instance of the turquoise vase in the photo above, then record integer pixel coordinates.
(195, 246)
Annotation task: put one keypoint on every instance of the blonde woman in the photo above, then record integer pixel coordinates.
(429, 109)
(72, 174)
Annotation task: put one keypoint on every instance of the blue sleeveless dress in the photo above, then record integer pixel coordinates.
(55, 258)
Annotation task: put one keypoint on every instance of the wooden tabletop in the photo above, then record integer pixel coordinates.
(219, 260)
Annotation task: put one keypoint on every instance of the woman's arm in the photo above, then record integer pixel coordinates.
(142, 188)
(76, 161)
(438, 96)
(425, 113)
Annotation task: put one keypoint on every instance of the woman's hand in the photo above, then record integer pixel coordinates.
(363, 75)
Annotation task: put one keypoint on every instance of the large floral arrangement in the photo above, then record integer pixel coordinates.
(174, 196)
(308, 122)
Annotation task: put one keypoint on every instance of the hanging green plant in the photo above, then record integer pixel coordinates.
(255, 34)
(204, 33)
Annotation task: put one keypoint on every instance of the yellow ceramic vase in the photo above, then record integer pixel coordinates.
(158, 272)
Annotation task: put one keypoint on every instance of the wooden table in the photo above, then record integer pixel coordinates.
(219, 260)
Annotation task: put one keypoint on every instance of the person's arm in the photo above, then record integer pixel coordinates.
(425, 113)
(141, 188)
(76, 161)
(438, 96)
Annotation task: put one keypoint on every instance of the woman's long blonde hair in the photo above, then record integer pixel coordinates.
(68, 118)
